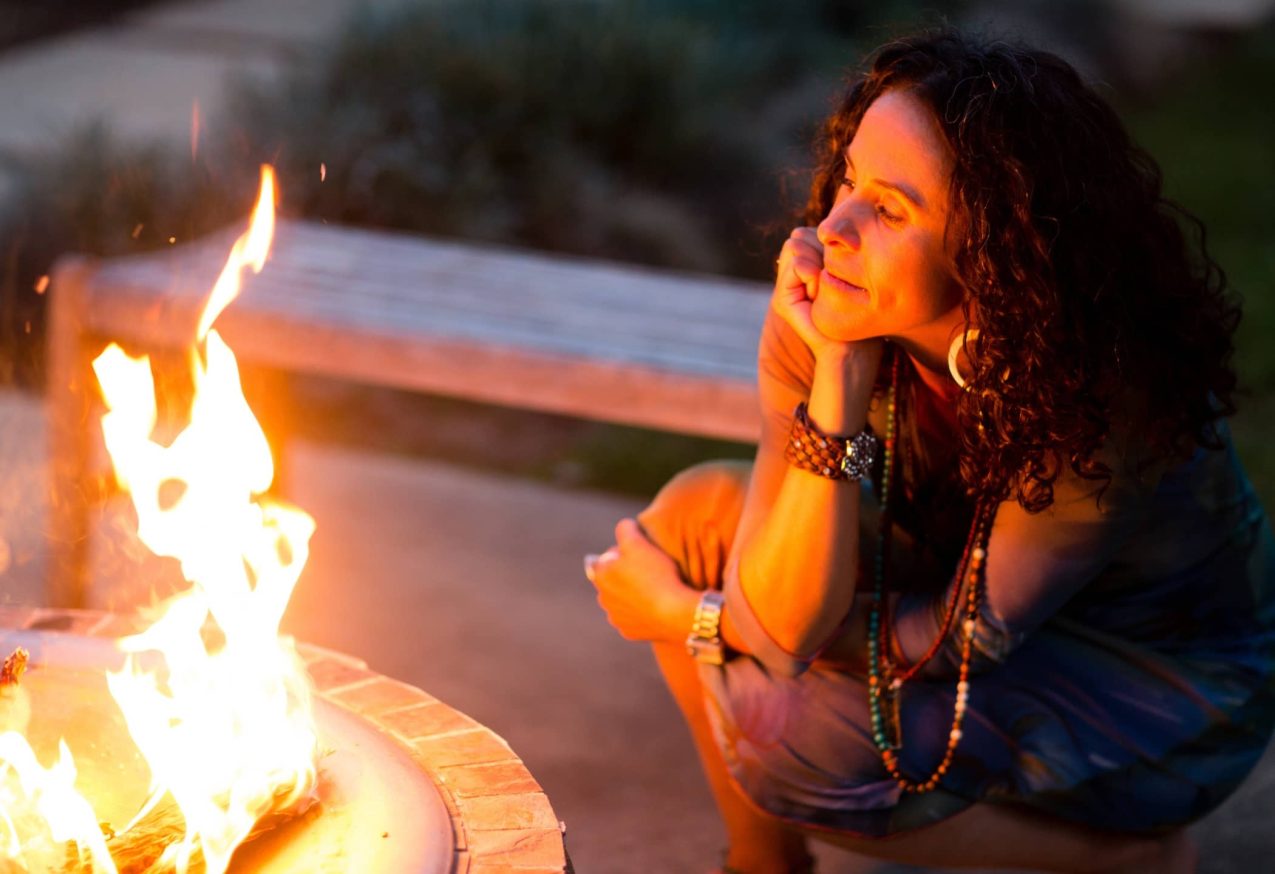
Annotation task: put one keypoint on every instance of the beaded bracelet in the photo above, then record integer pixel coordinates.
(833, 457)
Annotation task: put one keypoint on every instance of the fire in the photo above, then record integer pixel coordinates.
(216, 701)
(41, 811)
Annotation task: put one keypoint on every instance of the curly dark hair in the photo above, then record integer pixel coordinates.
(1092, 303)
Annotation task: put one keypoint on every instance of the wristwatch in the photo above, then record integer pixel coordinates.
(861, 453)
(704, 643)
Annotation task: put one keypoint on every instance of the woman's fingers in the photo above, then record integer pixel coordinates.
(800, 259)
(805, 272)
(593, 561)
(625, 530)
(637, 584)
(629, 536)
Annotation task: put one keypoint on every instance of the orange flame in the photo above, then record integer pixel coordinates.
(250, 250)
(228, 733)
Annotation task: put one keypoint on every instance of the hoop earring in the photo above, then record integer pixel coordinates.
(958, 343)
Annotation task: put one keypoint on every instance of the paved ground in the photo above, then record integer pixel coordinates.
(464, 583)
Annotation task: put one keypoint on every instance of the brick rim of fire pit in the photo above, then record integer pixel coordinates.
(501, 819)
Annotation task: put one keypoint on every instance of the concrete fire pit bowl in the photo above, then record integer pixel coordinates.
(407, 784)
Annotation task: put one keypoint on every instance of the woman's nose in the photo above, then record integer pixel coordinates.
(838, 229)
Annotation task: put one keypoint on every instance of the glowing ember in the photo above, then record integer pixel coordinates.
(217, 703)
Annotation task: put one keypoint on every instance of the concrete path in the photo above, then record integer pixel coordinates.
(145, 74)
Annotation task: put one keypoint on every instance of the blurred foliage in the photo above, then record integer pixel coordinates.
(632, 129)
(1212, 128)
(458, 121)
(670, 132)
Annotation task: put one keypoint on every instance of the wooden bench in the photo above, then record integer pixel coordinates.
(583, 338)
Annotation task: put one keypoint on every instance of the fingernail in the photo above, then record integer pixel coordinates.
(589, 561)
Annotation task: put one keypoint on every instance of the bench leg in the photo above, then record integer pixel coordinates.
(70, 394)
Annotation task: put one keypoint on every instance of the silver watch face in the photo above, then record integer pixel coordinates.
(861, 452)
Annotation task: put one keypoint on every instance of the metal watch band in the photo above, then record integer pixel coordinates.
(704, 643)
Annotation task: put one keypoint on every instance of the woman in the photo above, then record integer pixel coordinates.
(1038, 632)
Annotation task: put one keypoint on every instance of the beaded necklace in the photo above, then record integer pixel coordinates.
(885, 680)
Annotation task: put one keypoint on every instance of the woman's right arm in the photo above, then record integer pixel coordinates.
(791, 578)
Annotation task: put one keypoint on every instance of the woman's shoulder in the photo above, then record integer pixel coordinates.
(1204, 488)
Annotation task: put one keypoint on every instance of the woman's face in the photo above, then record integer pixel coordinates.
(886, 273)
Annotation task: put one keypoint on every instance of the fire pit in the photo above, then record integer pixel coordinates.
(199, 739)
(406, 783)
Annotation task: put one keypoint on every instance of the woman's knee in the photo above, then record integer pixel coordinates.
(694, 516)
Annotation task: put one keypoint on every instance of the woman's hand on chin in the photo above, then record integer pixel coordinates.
(796, 287)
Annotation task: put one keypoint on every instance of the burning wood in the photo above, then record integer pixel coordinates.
(140, 849)
(14, 667)
(15, 704)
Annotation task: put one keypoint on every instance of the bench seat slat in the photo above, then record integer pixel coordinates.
(565, 335)
(482, 305)
(296, 264)
(539, 325)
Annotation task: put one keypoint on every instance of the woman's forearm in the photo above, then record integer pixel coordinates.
(797, 568)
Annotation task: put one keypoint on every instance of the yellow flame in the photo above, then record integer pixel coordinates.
(216, 701)
(41, 811)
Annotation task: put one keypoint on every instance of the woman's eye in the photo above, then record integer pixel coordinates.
(847, 182)
(887, 216)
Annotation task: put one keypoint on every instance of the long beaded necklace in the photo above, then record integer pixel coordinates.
(885, 680)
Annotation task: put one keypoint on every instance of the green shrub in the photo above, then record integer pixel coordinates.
(617, 129)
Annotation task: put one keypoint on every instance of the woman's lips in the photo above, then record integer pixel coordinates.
(856, 293)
